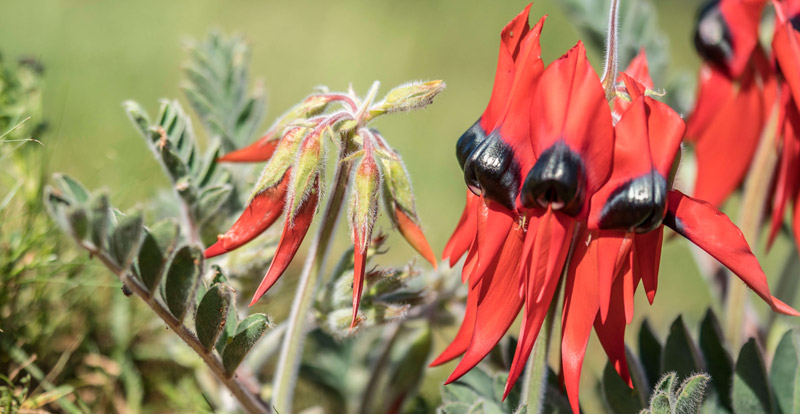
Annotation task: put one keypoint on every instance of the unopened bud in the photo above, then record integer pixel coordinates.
(281, 160)
(365, 198)
(410, 96)
(307, 168)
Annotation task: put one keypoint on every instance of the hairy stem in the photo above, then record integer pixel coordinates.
(292, 348)
(536, 373)
(249, 399)
(390, 337)
(610, 69)
(756, 188)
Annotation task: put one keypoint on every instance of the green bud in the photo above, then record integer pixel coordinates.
(397, 185)
(309, 165)
(364, 204)
(281, 160)
(411, 96)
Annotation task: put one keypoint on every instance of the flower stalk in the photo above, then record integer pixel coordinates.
(610, 70)
(756, 189)
(293, 340)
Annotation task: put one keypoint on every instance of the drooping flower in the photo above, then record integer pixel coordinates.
(735, 96)
(603, 188)
(292, 182)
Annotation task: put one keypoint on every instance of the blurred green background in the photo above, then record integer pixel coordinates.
(99, 53)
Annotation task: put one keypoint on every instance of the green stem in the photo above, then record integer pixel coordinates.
(610, 69)
(292, 348)
(756, 189)
(536, 373)
(249, 400)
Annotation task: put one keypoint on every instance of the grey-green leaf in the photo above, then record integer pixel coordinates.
(680, 354)
(618, 397)
(751, 389)
(249, 331)
(718, 362)
(101, 221)
(78, 219)
(71, 188)
(158, 244)
(690, 395)
(212, 314)
(210, 200)
(183, 274)
(650, 353)
(126, 239)
(785, 373)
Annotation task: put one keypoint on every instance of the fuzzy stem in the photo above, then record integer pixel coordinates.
(249, 400)
(536, 374)
(610, 69)
(756, 188)
(390, 337)
(292, 348)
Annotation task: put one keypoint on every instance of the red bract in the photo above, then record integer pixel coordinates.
(600, 187)
(735, 96)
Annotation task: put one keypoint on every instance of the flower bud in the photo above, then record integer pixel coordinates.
(363, 212)
(411, 96)
(308, 167)
(398, 198)
(281, 160)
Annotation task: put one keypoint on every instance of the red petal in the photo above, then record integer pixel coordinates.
(258, 151)
(554, 234)
(413, 234)
(647, 249)
(497, 307)
(464, 336)
(510, 37)
(611, 333)
(788, 169)
(359, 269)
(570, 104)
(263, 210)
(713, 232)
(715, 89)
(493, 230)
(743, 18)
(721, 164)
(612, 248)
(464, 233)
(291, 238)
(580, 309)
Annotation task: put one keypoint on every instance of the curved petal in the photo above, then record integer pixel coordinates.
(570, 105)
(262, 211)
(713, 231)
(463, 338)
(258, 151)
(498, 305)
(727, 145)
(580, 310)
(413, 234)
(464, 233)
(292, 236)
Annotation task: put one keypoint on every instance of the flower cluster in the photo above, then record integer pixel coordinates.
(292, 182)
(561, 184)
(746, 95)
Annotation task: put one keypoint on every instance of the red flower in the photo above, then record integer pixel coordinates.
(583, 173)
(735, 96)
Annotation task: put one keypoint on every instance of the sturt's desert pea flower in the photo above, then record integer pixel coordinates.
(293, 183)
(591, 181)
(735, 98)
(746, 97)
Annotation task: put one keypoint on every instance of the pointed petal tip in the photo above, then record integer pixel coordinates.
(781, 307)
(215, 249)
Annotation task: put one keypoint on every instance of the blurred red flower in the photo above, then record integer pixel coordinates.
(551, 170)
